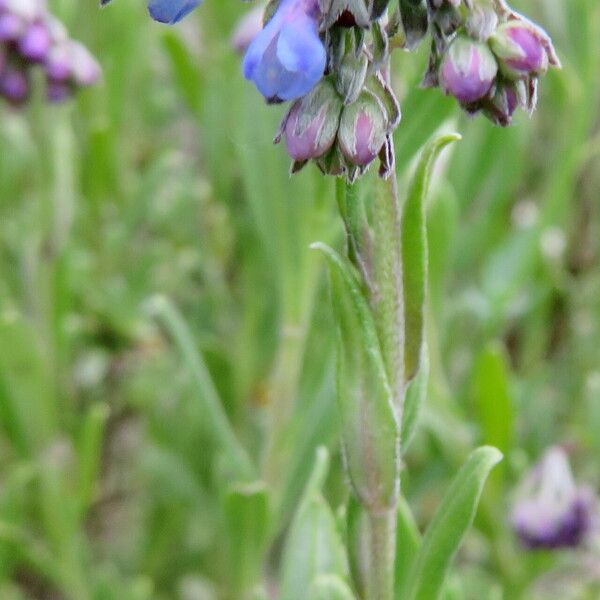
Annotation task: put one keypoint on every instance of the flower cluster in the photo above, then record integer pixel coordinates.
(31, 37)
(330, 59)
(489, 58)
(552, 512)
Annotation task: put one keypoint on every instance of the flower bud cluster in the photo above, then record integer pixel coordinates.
(32, 37)
(330, 59)
(488, 57)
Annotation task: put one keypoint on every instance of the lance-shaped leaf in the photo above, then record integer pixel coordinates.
(414, 254)
(220, 427)
(416, 393)
(369, 428)
(450, 523)
(247, 518)
(313, 546)
(408, 541)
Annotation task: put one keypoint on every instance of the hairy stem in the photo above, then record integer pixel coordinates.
(382, 547)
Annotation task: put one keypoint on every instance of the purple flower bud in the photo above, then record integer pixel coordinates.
(59, 63)
(363, 130)
(552, 511)
(507, 97)
(520, 49)
(14, 85)
(311, 126)
(468, 70)
(58, 91)
(247, 28)
(11, 27)
(35, 43)
(86, 70)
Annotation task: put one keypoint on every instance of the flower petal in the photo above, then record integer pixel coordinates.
(171, 11)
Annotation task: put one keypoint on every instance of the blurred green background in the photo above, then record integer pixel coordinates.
(154, 267)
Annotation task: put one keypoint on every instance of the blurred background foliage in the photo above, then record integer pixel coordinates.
(156, 277)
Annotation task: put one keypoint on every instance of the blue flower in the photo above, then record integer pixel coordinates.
(171, 11)
(287, 58)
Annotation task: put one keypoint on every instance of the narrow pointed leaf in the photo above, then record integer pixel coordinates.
(314, 546)
(416, 393)
(247, 521)
(164, 310)
(414, 253)
(408, 541)
(450, 523)
(491, 395)
(368, 423)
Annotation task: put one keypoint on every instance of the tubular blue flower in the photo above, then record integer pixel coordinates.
(287, 58)
(171, 11)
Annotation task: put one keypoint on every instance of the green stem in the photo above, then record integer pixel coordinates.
(382, 545)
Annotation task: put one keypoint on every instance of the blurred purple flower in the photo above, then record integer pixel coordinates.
(287, 58)
(552, 511)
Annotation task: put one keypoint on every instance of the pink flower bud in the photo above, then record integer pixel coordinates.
(363, 130)
(520, 49)
(312, 123)
(468, 70)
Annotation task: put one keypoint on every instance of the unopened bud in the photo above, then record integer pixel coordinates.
(508, 96)
(520, 49)
(14, 85)
(35, 43)
(468, 70)
(312, 123)
(363, 130)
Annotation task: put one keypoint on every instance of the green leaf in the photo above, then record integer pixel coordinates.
(28, 409)
(313, 546)
(492, 397)
(408, 541)
(247, 521)
(220, 427)
(414, 253)
(187, 76)
(450, 523)
(89, 450)
(416, 393)
(329, 587)
(368, 423)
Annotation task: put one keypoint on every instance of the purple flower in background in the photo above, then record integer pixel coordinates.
(35, 42)
(287, 58)
(32, 38)
(552, 511)
(171, 11)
